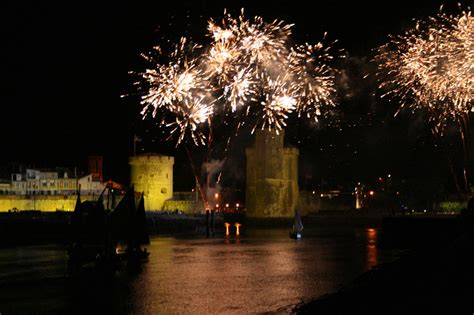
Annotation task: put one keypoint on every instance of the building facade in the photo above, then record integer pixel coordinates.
(90, 185)
(272, 177)
(42, 190)
(36, 182)
(152, 174)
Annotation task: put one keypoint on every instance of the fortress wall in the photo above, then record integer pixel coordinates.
(42, 203)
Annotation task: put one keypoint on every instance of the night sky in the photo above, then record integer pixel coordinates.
(65, 66)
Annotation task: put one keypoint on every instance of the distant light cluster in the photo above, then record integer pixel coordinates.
(431, 67)
(249, 66)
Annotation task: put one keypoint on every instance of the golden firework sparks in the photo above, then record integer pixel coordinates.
(249, 65)
(431, 67)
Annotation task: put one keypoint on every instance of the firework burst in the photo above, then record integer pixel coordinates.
(249, 65)
(189, 114)
(277, 103)
(431, 67)
(313, 80)
(179, 87)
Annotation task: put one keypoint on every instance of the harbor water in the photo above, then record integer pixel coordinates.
(260, 271)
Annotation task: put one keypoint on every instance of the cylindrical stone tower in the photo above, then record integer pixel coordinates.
(152, 174)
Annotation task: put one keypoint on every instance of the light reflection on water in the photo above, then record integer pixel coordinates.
(259, 272)
(371, 248)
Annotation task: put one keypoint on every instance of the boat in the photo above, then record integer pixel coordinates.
(296, 232)
(101, 238)
(295, 236)
(90, 241)
(129, 227)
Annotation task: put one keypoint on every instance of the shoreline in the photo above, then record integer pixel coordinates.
(35, 227)
(435, 278)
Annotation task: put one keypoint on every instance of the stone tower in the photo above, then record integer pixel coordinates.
(95, 167)
(272, 177)
(152, 174)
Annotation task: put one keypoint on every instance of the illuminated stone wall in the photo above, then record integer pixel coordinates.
(186, 206)
(272, 177)
(42, 203)
(153, 175)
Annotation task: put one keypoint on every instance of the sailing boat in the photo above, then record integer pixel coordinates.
(128, 227)
(296, 232)
(140, 229)
(90, 240)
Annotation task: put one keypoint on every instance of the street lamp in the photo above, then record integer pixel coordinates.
(216, 197)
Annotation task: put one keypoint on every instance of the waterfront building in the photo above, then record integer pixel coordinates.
(37, 182)
(48, 190)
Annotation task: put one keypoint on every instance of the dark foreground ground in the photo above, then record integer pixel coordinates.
(428, 279)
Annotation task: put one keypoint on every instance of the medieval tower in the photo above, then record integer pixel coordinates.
(153, 175)
(95, 168)
(272, 177)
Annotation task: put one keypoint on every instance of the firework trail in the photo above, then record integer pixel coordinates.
(432, 67)
(249, 66)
